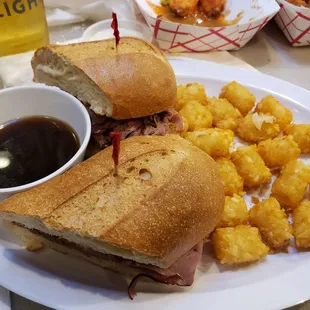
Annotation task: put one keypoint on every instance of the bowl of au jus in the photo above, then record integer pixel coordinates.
(44, 131)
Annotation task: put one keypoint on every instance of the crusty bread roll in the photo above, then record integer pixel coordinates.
(36, 243)
(166, 198)
(134, 81)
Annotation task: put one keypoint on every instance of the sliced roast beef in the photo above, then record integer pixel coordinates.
(157, 277)
(158, 124)
(180, 273)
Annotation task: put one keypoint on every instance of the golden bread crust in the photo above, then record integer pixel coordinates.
(137, 79)
(167, 198)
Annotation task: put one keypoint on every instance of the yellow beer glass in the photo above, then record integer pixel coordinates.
(22, 26)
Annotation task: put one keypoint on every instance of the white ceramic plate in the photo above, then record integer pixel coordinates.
(277, 282)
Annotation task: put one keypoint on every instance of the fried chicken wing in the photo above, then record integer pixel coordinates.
(213, 8)
(183, 7)
(298, 2)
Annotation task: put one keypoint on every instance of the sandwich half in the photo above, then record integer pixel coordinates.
(131, 90)
(149, 220)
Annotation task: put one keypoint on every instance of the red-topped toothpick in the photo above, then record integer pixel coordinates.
(116, 142)
(114, 26)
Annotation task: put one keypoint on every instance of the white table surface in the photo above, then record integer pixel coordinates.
(268, 52)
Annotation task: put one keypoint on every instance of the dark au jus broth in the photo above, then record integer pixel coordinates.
(31, 148)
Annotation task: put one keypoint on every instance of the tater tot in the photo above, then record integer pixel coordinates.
(257, 127)
(190, 92)
(240, 244)
(239, 96)
(278, 151)
(301, 224)
(185, 126)
(251, 166)
(270, 105)
(235, 212)
(290, 187)
(197, 115)
(233, 183)
(224, 114)
(301, 135)
(216, 142)
(272, 223)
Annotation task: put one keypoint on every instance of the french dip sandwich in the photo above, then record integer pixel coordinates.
(131, 90)
(148, 221)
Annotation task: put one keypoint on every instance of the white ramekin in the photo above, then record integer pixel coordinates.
(127, 28)
(34, 100)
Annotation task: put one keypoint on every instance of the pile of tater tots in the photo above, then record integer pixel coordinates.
(268, 157)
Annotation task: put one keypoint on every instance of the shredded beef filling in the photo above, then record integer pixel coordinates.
(158, 124)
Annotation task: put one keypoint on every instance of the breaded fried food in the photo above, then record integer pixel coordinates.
(240, 244)
(224, 114)
(290, 187)
(251, 166)
(301, 224)
(189, 92)
(272, 222)
(257, 127)
(301, 135)
(233, 183)
(239, 96)
(197, 115)
(185, 126)
(183, 7)
(235, 212)
(270, 105)
(213, 8)
(299, 2)
(216, 142)
(278, 151)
